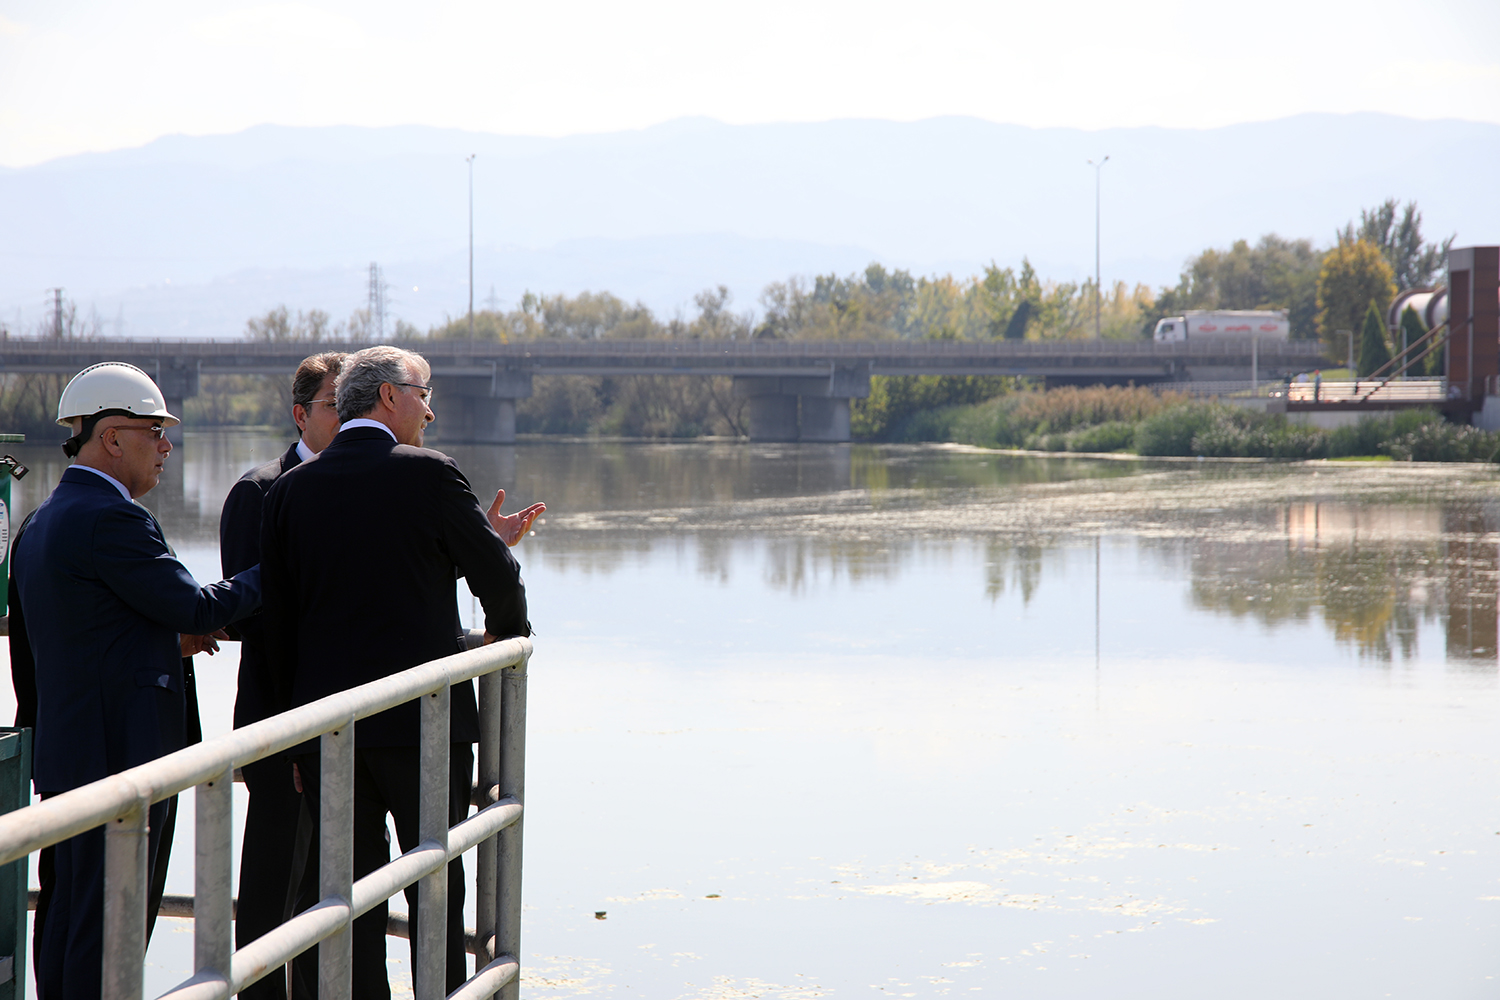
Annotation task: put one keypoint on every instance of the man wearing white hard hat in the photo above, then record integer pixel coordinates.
(110, 613)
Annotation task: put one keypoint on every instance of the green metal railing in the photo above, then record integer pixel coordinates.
(15, 793)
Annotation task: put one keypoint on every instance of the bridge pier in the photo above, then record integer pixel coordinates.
(803, 407)
(825, 419)
(773, 418)
(177, 378)
(478, 408)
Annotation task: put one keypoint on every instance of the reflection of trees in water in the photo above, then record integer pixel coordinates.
(1371, 596)
(1373, 574)
(791, 564)
(1009, 565)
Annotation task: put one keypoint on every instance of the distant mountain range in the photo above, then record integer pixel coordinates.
(190, 236)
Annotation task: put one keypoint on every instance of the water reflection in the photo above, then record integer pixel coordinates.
(1372, 571)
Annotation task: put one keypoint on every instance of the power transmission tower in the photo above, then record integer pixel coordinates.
(57, 313)
(377, 302)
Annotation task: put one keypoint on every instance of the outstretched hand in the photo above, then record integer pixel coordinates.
(192, 645)
(512, 527)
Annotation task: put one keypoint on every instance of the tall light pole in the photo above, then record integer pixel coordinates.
(1097, 168)
(470, 160)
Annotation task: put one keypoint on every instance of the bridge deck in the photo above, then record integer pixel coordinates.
(1118, 359)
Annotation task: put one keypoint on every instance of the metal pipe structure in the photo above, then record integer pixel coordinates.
(121, 803)
(213, 899)
(336, 857)
(429, 972)
(507, 941)
(489, 787)
(126, 884)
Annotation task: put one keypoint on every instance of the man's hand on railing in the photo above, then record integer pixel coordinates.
(192, 645)
(512, 527)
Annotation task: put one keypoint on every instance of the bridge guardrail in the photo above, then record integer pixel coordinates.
(121, 802)
(1415, 390)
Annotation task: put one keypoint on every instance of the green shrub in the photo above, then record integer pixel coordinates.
(1171, 431)
(1436, 442)
(927, 425)
(1116, 435)
(1368, 436)
(979, 425)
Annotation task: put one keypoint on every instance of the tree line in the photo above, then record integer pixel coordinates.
(1324, 291)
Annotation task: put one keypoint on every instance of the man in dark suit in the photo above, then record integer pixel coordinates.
(110, 615)
(361, 549)
(278, 829)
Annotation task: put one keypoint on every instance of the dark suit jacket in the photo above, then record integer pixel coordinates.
(239, 549)
(104, 600)
(360, 549)
(23, 661)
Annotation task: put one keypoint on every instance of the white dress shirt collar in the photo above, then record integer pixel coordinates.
(112, 480)
(303, 451)
(366, 422)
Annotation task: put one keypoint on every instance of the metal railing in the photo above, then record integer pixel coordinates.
(1235, 388)
(120, 803)
(1373, 390)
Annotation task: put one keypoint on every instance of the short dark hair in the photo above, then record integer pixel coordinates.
(311, 373)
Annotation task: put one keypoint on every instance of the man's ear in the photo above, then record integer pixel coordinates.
(299, 416)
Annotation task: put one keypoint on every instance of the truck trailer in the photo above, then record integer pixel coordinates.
(1196, 324)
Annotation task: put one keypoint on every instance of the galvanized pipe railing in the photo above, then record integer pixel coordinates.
(121, 802)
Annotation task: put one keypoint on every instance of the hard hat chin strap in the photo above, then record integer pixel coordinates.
(73, 445)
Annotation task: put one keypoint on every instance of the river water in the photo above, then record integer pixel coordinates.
(832, 721)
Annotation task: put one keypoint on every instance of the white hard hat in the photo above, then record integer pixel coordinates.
(113, 385)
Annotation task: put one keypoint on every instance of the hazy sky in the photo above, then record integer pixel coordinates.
(81, 75)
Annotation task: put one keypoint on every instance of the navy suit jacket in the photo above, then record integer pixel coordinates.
(239, 549)
(104, 599)
(361, 548)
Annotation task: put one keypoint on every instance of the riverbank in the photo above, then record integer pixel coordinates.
(1142, 422)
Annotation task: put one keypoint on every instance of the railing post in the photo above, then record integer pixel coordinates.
(336, 857)
(487, 853)
(125, 889)
(213, 944)
(512, 785)
(429, 970)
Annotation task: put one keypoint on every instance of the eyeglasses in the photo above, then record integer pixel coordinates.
(157, 430)
(426, 390)
(331, 403)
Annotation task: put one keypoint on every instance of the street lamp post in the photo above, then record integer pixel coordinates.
(1097, 168)
(470, 160)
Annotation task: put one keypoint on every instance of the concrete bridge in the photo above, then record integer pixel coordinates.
(798, 390)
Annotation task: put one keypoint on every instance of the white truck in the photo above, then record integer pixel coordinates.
(1200, 323)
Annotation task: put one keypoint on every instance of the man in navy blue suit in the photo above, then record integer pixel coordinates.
(278, 830)
(111, 613)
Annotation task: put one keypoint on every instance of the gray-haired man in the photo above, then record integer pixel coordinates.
(359, 551)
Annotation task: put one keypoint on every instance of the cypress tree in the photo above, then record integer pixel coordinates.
(1413, 330)
(1373, 352)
